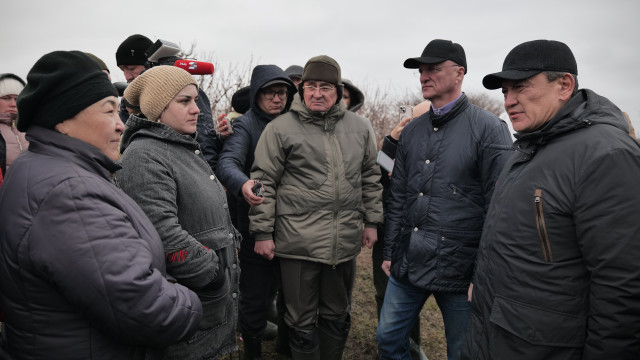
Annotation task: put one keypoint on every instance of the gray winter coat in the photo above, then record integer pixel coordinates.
(82, 274)
(166, 174)
(557, 274)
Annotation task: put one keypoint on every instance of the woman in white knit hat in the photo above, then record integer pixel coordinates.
(12, 142)
(165, 172)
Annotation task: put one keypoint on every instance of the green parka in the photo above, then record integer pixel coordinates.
(321, 184)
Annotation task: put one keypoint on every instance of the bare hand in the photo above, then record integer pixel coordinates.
(369, 237)
(265, 248)
(386, 267)
(249, 196)
(224, 127)
(469, 292)
(395, 133)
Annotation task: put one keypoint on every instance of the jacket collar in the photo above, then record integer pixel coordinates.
(141, 127)
(327, 120)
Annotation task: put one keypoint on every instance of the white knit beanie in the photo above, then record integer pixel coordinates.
(154, 89)
(10, 86)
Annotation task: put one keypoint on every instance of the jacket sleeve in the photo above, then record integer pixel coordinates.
(149, 180)
(495, 149)
(233, 159)
(210, 143)
(101, 265)
(268, 166)
(371, 187)
(608, 232)
(395, 202)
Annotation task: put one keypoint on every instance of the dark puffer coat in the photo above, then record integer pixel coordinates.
(443, 178)
(82, 274)
(237, 155)
(557, 274)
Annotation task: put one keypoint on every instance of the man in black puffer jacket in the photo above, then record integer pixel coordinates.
(271, 95)
(557, 275)
(446, 165)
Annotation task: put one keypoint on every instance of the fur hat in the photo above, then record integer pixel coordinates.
(10, 84)
(154, 89)
(132, 50)
(60, 85)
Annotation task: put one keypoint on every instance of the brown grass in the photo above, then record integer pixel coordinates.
(362, 337)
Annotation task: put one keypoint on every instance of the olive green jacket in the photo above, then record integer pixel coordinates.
(321, 184)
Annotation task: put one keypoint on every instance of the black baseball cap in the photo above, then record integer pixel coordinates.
(437, 51)
(531, 58)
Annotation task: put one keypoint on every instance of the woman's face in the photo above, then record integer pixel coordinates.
(182, 112)
(98, 125)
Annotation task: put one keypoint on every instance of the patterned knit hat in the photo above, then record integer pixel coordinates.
(154, 89)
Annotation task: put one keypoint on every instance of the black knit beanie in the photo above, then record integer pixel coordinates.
(59, 86)
(132, 50)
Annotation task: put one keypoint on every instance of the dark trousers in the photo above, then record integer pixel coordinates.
(256, 280)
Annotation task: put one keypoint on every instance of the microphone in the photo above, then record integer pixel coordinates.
(195, 67)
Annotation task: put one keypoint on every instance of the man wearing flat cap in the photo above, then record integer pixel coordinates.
(557, 273)
(447, 161)
(322, 203)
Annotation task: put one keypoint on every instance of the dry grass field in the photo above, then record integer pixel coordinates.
(362, 338)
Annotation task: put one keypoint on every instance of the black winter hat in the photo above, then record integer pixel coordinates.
(132, 50)
(531, 58)
(437, 51)
(60, 85)
(241, 100)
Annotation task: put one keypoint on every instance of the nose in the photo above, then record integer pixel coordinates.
(119, 125)
(509, 99)
(424, 76)
(194, 108)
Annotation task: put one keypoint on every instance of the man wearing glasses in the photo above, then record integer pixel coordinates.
(446, 165)
(322, 203)
(271, 94)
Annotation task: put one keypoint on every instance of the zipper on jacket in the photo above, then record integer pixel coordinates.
(542, 228)
(336, 197)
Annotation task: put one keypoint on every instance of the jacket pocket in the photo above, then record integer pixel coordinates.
(214, 306)
(538, 326)
(456, 254)
(543, 235)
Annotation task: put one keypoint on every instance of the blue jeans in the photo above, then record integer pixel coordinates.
(402, 305)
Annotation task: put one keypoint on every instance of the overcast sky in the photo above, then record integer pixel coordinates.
(369, 39)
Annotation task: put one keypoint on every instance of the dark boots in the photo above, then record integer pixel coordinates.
(304, 345)
(332, 335)
(252, 348)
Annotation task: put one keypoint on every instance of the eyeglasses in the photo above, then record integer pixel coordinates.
(324, 89)
(433, 69)
(270, 94)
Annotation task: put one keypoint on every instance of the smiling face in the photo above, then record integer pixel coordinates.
(182, 112)
(98, 125)
(532, 102)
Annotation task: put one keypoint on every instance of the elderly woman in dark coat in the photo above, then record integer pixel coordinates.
(82, 274)
(165, 172)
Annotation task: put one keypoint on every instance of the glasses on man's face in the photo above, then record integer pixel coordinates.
(270, 94)
(324, 89)
(432, 69)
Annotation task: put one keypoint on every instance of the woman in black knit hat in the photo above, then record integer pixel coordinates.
(83, 273)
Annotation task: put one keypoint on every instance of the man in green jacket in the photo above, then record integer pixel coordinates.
(322, 203)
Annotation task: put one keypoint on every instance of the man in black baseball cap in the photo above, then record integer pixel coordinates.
(557, 275)
(446, 165)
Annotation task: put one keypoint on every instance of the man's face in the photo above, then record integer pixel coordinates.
(440, 81)
(272, 99)
(319, 95)
(296, 80)
(346, 97)
(531, 102)
(131, 72)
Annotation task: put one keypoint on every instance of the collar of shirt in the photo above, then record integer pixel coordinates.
(445, 109)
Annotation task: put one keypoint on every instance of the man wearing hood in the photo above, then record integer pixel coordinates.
(322, 203)
(557, 273)
(352, 97)
(271, 94)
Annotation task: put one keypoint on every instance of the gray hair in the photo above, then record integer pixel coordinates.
(554, 75)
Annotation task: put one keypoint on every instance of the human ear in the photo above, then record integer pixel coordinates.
(567, 84)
